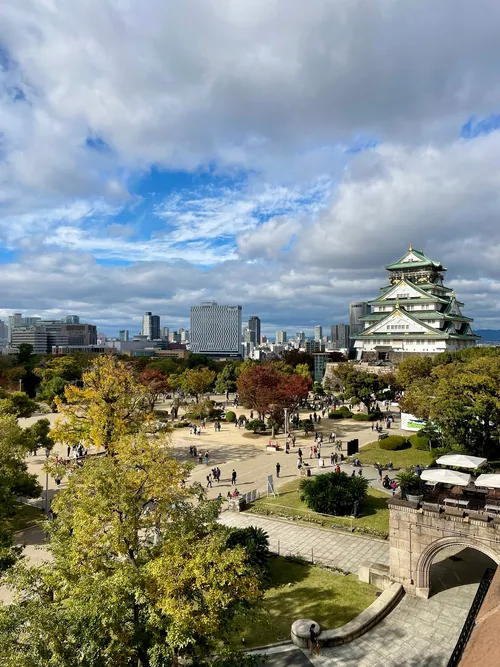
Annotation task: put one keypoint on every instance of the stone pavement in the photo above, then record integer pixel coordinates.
(331, 548)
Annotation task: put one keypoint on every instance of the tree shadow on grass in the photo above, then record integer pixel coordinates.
(372, 505)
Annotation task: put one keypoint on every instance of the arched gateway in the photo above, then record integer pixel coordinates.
(417, 536)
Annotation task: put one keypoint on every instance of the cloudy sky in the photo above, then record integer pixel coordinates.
(271, 153)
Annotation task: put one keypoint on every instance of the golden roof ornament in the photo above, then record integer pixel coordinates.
(410, 249)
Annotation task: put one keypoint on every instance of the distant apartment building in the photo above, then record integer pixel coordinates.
(215, 330)
(312, 346)
(254, 328)
(184, 336)
(71, 319)
(281, 337)
(318, 332)
(124, 335)
(340, 336)
(165, 332)
(4, 331)
(300, 337)
(357, 310)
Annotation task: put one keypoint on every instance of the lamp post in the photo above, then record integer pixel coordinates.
(47, 454)
(286, 423)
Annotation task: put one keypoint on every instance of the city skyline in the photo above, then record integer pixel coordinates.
(245, 159)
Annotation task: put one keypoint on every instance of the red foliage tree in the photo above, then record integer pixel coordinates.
(268, 391)
(156, 384)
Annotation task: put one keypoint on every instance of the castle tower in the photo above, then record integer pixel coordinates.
(414, 314)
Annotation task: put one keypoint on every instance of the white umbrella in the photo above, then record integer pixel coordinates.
(461, 461)
(488, 481)
(445, 476)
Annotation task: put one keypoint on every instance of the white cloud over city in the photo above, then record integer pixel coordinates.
(275, 154)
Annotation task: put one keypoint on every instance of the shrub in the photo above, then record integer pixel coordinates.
(333, 493)
(394, 443)
(255, 425)
(340, 414)
(419, 442)
(409, 482)
(230, 416)
(182, 424)
(361, 417)
(255, 541)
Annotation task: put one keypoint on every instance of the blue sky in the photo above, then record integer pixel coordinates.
(244, 157)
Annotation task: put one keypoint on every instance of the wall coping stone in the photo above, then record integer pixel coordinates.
(372, 615)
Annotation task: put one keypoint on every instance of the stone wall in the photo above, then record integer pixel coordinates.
(416, 536)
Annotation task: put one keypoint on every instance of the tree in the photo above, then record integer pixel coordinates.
(413, 368)
(52, 388)
(111, 403)
(155, 384)
(264, 388)
(303, 370)
(333, 493)
(364, 386)
(67, 367)
(295, 357)
(199, 360)
(15, 481)
(142, 574)
(18, 403)
(38, 435)
(226, 379)
(197, 381)
(27, 360)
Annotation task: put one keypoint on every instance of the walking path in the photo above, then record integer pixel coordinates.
(331, 548)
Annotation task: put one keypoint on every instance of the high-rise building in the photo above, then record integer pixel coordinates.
(247, 335)
(216, 330)
(415, 313)
(300, 337)
(151, 326)
(184, 336)
(357, 311)
(318, 332)
(71, 319)
(312, 346)
(4, 331)
(340, 336)
(281, 337)
(124, 335)
(164, 333)
(254, 328)
(51, 333)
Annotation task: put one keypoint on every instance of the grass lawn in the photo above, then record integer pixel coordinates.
(305, 591)
(25, 517)
(375, 515)
(405, 458)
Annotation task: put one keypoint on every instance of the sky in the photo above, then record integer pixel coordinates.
(275, 154)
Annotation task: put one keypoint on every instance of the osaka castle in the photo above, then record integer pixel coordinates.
(415, 313)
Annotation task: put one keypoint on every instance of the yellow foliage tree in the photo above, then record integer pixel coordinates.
(111, 404)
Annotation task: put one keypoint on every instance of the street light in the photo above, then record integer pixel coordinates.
(286, 423)
(47, 454)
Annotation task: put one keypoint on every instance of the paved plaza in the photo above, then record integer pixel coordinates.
(332, 548)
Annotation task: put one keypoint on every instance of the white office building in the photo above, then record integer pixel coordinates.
(216, 330)
(318, 332)
(151, 326)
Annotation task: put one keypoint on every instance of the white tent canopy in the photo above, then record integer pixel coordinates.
(445, 476)
(461, 461)
(488, 481)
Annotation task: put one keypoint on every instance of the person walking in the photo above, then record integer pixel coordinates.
(299, 453)
(332, 458)
(278, 468)
(233, 477)
(209, 482)
(313, 640)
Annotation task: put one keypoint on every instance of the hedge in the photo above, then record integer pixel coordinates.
(394, 443)
(419, 442)
(230, 416)
(183, 424)
(340, 414)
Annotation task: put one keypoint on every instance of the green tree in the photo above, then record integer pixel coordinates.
(50, 389)
(304, 371)
(413, 368)
(199, 360)
(142, 573)
(67, 367)
(226, 379)
(333, 492)
(111, 404)
(15, 481)
(17, 403)
(38, 435)
(364, 386)
(197, 381)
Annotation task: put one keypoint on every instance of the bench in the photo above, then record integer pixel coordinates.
(454, 502)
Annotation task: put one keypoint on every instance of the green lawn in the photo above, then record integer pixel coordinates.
(405, 458)
(25, 517)
(374, 513)
(305, 591)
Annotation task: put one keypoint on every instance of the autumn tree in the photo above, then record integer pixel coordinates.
(197, 381)
(15, 481)
(112, 403)
(155, 384)
(268, 391)
(363, 386)
(141, 574)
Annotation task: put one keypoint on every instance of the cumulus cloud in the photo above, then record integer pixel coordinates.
(95, 95)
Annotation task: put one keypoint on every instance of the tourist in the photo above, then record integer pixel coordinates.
(233, 478)
(209, 482)
(206, 457)
(287, 448)
(337, 468)
(278, 468)
(332, 458)
(353, 474)
(195, 451)
(200, 458)
(360, 473)
(299, 452)
(299, 463)
(313, 640)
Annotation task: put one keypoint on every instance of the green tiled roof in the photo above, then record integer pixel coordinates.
(423, 262)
